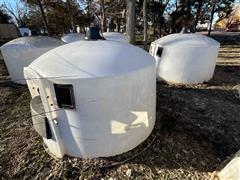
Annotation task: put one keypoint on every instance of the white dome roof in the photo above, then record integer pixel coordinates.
(186, 40)
(87, 59)
(72, 37)
(115, 36)
(32, 42)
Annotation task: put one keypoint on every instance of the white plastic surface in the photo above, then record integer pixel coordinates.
(36, 83)
(114, 91)
(231, 171)
(186, 58)
(72, 37)
(115, 36)
(92, 59)
(20, 52)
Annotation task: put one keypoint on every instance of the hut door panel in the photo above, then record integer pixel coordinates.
(47, 96)
(43, 87)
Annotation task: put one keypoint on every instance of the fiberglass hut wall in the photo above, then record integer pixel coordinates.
(72, 37)
(185, 58)
(100, 97)
(20, 52)
(115, 36)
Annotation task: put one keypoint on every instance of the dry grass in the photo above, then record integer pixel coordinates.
(197, 128)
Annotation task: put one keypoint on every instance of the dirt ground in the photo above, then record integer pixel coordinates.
(197, 128)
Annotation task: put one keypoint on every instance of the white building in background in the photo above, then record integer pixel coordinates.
(100, 98)
(24, 31)
(185, 58)
(20, 52)
(204, 26)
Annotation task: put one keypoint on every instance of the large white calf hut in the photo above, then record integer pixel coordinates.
(99, 96)
(72, 37)
(20, 52)
(115, 36)
(185, 58)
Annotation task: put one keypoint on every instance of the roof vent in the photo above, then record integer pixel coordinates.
(94, 34)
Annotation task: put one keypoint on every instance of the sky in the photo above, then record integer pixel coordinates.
(237, 2)
(12, 2)
(13, 5)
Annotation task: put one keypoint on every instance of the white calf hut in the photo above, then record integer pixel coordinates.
(20, 52)
(72, 37)
(99, 98)
(115, 36)
(231, 171)
(185, 58)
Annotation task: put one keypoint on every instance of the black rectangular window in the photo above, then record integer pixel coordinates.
(159, 51)
(65, 96)
(48, 130)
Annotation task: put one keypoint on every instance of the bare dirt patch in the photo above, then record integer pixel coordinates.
(197, 128)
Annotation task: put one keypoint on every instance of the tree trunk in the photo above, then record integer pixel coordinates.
(187, 10)
(44, 18)
(118, 24)
(71, 17)
(145, 36)
(198, 14)
(103, 16)
(131, 20)
(88, 12)
(211, 19)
